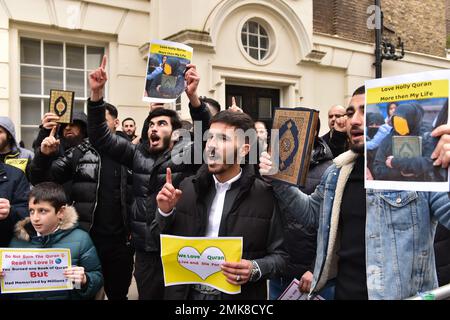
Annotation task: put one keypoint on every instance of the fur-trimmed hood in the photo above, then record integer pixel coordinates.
(345, 158)
(24, 229)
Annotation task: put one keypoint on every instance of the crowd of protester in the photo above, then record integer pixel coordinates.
(107, 195)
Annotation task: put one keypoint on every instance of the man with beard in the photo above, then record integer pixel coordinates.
(225, 199)
(129, 127)
(97, 185)
(148, 160)
(10, 151)
(371, 244)
(75, 133)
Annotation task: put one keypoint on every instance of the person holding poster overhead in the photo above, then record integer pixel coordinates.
(54, 224)
(148, 160)
(166, 67)
(225, 199)
(372, 244)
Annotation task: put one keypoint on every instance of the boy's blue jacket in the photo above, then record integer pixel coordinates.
(82, 251)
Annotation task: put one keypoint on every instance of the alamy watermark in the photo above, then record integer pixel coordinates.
(374, 19)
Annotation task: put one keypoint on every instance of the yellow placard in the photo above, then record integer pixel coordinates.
(408, 91)
(188, 260)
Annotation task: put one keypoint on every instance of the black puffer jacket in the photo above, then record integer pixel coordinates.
(250, 211)
(301, 242)
(80, 166)
(149, 173)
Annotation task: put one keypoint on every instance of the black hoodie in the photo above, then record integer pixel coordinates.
(419, 166)
(78, 116)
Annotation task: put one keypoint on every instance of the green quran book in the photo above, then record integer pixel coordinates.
(406, 146)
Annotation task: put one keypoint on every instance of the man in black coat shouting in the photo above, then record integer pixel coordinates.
(225, 199)
(148, 161)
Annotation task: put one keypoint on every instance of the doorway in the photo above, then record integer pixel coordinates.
(257, 102)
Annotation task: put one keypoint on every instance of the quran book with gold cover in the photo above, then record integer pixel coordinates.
(297, 127)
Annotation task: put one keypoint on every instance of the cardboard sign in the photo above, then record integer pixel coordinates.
(33, 270)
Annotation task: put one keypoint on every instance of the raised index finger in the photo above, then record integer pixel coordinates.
(104, 60)
(168, 176)
(53, 132)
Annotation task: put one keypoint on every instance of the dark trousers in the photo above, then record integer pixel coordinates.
(116, 258)
(148, 273)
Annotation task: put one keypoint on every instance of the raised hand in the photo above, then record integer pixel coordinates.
(234, 107)
(5, 208)
(97, 80)
(192, 80)
(50, 145)
(340, 124)
(49, 120)
(168, 197)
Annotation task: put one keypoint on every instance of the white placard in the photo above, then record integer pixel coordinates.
(33, 270)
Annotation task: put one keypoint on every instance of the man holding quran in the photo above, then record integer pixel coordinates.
(371, 244)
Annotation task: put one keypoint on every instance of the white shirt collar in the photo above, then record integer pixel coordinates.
(228, 183)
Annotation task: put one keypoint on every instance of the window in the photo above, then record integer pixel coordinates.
(46, 65)
(265, 108)
(255, 40)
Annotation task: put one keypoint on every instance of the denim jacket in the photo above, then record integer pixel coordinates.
(400, 227)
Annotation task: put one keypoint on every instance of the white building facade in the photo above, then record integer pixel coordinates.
(263, 52)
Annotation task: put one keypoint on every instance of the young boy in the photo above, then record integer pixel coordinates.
(53, 224)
